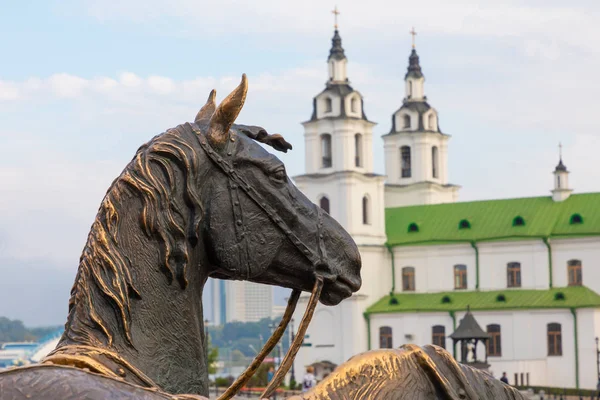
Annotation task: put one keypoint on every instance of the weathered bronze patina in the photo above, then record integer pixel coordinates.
(201, 200)
(409, 373)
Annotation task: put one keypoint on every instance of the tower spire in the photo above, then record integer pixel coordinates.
(337, 51)
(413, 34)
(560, 167)
(337, 59)
(560, 150)
(335, 13)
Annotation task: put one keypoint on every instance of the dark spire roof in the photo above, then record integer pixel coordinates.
(414, 68)
(469, 329)
(560, 167)
(337, 51)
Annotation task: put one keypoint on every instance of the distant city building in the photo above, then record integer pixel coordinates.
(278, 311)
(17, 353)
(241, 301)
(527, 267)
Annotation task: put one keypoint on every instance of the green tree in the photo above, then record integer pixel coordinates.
(213, 356)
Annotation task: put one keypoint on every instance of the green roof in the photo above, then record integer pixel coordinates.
(572, 297)
(493, 220)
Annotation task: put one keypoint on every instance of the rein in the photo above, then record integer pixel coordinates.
(274, 339)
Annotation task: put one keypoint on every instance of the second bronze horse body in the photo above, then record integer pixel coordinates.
(201, 200)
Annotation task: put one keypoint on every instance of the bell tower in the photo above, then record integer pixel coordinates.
(340, 179)
(339, 154)
(561, 190)
(416, 149)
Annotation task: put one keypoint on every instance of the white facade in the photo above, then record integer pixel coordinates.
(523, 342)
(337, 333)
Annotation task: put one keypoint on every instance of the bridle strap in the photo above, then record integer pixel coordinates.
(238, 182)
(285, 365)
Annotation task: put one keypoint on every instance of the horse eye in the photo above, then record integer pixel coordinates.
(279, 174)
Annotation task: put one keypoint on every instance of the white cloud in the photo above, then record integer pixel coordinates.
(65, 85)
(130, 79)
(103, 84)
(161, 85)
(9, 91)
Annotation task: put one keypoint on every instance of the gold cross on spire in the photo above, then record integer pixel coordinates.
(335, 12)
(560, 150)
(413, 33)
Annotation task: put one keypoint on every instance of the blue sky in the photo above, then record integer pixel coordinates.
(84, 83)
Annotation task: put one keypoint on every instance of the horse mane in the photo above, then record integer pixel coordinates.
(151, 177)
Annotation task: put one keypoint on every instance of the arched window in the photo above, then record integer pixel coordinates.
(410, 92)
(554, 339)
(434, 161)
(326, 149)
(385, 337)
(558, 181)
(518, 221)
(432, 122)
(412, 227)
(438, 335)
(576, 219)
(575, 273)
(354, 105)
(460, 276)
(408, 279)
(328, 105)
(324, 204)
(495, 343)
(513, 272)
(358, 150)
(365, 210)
(406, 119)
(405, 161)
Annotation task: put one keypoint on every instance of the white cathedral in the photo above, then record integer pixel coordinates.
(528, 268)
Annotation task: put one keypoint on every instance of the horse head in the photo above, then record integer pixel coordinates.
(200, 200)
(259, 226)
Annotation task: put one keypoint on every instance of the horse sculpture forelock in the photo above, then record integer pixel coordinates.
(105, 266)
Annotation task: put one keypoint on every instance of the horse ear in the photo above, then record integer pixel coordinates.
(208, 109)
(225, 115)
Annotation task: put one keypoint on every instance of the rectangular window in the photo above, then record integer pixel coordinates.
(513, 274)
(385, 337)
(408, 279)
(460, 277)
(554, 340)
(405, 161)
(574, 271)
(438, 336)
(494, 344)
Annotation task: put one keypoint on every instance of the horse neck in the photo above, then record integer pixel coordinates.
(151, 321)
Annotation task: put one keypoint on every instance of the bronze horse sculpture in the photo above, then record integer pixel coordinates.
(202, 200)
